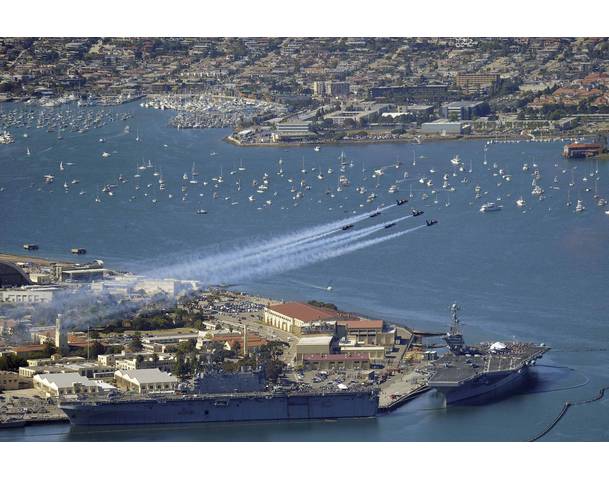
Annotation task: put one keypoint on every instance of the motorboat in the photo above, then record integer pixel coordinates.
(488, 207)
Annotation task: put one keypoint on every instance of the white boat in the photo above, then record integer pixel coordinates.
(579, 208)
(61, 167)
(520, 202)
(105, 154)
(316, 148)
(456, 160)
(537, 191)
(488, 207)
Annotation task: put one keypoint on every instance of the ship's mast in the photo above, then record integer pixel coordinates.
(454, 338)
(455, 329)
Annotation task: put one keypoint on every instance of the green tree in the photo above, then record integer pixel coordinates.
(49, 349)
(96, 348)
(135, 344)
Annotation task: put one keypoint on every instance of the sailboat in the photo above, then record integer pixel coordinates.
(61, 168)
(27, 151)
(241, 167)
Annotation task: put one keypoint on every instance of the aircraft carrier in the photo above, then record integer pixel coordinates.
(484, 372)
(197, 407)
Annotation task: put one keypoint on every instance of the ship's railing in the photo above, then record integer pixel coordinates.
(98, 399)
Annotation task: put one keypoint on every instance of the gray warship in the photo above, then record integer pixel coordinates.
(221, 398)
(483, 372)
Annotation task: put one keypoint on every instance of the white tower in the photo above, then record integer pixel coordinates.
(244, 352)
(61, 342)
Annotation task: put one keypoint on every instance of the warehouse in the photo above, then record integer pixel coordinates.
(145, 380)
(62, 384)
(313, 345)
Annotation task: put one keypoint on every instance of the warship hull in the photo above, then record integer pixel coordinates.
(222, 409)
(485, 388)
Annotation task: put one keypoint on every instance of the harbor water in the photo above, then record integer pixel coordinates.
(537, 273)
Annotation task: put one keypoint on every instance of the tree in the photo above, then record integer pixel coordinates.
(49, 349)
(180, 368)
(96, 348)
(187, 346)
(135, 344)
(11, 362)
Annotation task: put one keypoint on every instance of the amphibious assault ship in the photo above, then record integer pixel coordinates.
(483, 372)
(246, 402)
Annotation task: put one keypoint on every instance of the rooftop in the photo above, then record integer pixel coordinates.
(303, 312)
(64, 380)
(362, 324)
(146, 376)
(315, 340)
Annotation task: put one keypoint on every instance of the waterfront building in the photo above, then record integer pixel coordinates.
(360, 114)
(12, 276)
(313, 345)
(293, 130)
(464, 110)
(62, 384)
(582, 150)
(368, 332)
(293, 317)
(444, 127)
(145, 380)
(29, 294)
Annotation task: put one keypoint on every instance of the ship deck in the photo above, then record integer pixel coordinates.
(164, 397)
(452, 370)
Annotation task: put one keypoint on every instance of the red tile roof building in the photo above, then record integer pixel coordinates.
(293, 317)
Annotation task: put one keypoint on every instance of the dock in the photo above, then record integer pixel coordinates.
(403, 399)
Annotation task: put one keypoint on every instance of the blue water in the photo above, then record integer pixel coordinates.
(540, 275)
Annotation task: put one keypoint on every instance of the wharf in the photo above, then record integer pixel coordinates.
(403, 399)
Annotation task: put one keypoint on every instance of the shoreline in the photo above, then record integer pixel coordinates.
(412, 140)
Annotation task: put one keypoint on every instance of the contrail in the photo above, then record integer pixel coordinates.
(80, 302)
(214, 268)
(306, 258)
(238, 255)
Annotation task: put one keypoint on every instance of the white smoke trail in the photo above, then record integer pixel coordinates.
(214, 270)
(310, 256)
(249, 251)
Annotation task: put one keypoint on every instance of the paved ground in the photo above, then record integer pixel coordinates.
(28, 404)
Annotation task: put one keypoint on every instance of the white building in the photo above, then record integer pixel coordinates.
(62, 384)
(146, 380)
(29, 294)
